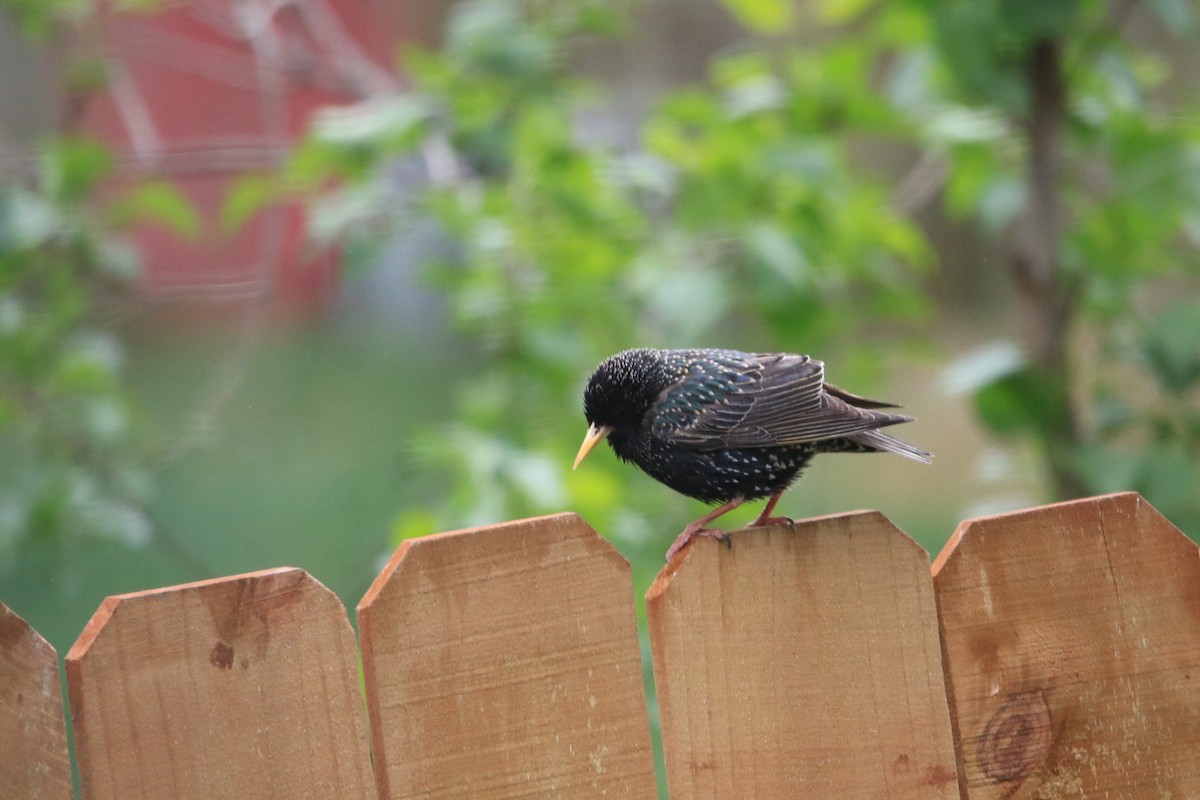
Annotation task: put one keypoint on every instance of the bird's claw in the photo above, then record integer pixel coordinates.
(689, 534)
(762, 522)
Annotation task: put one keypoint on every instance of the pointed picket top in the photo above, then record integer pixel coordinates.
(503, 662)
(244, 686)
(33, 738)
(1072, 642)
(802, 661)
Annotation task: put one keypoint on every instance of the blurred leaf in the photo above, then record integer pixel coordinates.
(395, 119)
(490, 37)
(1168, 475)
(756, 95)
(677, 293)
(1107, 468)
(648, 173)
(1113, 414)
(117, 258)
(37, 18)
(1024, 401)
(1123, 88)
(600, 19)
(71, 168)
(956, 124)
(247, 195)
(981, 366)
(539, 477)
(81, 372)
(336, 213)
(762, 16)
(1179, 15)
(1038, 19)
(909, 82)
(413, 523)
(1000, 202)
(778, 251)
(1171, 346)
(594, 492)
(315, 163)
(104, 420)
(159, 202)
(1006, 407)
(26, 221)
(841, 11)
(112, 519)
(12, 315)
(978, 49)
(906, 241)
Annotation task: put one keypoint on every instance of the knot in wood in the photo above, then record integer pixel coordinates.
(1016, 738)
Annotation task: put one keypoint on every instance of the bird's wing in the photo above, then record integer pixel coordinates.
(744, 400)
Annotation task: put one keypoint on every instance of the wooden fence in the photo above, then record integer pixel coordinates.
(1053, 653)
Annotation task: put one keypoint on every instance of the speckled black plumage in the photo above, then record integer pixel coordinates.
(725, 426)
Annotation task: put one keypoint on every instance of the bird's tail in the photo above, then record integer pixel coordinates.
(878, 441)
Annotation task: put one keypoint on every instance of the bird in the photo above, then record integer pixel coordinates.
(726, 427)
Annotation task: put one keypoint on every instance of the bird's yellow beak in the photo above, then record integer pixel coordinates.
(594, 435)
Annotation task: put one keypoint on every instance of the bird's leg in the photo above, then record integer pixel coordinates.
(697, 528)
(765, 517)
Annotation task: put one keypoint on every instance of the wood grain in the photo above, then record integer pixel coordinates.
(233, 688)
(503, 662)
(1072, 644)
(802, 662)
(33, 739)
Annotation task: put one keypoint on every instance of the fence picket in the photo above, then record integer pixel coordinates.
(237, 687)
(33, 739)
(1072, 645)
(802, 662)
(1054, 652)
(503, 662)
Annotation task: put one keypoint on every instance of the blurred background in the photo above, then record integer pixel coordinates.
(283, 282)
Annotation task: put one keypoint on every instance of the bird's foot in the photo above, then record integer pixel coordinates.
(697, 528)
(764, 521)
(691, 532)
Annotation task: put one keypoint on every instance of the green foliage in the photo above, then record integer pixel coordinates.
(740, 211)
(743, 208)
(1148, 428)
(68, 460)
(72, 461)
(1120, 411)
(247, 196)
(762, 16)
(38, 18)
(158, 202)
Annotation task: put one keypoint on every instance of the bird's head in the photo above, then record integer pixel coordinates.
(619, 394)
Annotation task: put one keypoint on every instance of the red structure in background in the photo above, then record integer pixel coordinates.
(204, 92)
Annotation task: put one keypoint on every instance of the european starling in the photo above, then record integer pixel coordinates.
(726, 427)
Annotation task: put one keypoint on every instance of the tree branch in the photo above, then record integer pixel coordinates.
(1047, 299)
